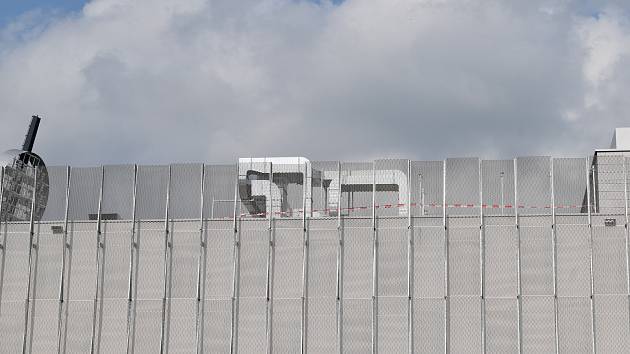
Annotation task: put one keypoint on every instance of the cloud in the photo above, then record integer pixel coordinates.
(157, 81)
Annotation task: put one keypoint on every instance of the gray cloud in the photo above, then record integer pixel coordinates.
(156, 81)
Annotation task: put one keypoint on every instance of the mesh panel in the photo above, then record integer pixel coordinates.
(464, 275)
(501, 326)
(325, 186)
(428, 327)
(321, 335)
(15, 270)
(392, 190)
(184, 266)
(151, 192)
(498, 186)
(356, 190)
(287, 268)
(357, 326)
(357, 262)
(322, 263)
(611, 324)
(79, 326)
(253, 259)
(219, 181)
(501, 261)
(462, 186)
(465, 325)
(118, 191)
(569, 184)
(148, 326)
(44, 321)
(392, 325)
(534, 185)
(538, 324)
(85, 185)
(609, 260)
(252, 337)
(392, 262)
(219, 260)
(185, 199)
(287, 317)
(574, 325)
(609, 184)
(113, 326)
(12, 326)
(428, 262)
(573, 267)
(56, 206)
(150, 278)
(116, 260)
(82, 263)
(536, 261)
(182, 326)
(426, 187)
(217, 326)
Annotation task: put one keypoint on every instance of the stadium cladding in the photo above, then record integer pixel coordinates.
(528, 255)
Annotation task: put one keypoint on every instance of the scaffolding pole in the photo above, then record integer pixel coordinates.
(447, 316)
(303, 334)
(554, 248)
(131, 288)
(592, 284)
(62, 288)
(167, 258)
(519, 291)
(409, 264)
(94, 342)
(339, 289)
(270, 260)
(201, 267)
(235, 274)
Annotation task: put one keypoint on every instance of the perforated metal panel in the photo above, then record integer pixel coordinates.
(501, 261)
(113, 328)
(288, 258)
(356, 190)
(569, 182)
(498, 186)
(573, 248)
(219, 182)
(392, 323)
(392, 262)
(501, 326)
(611, 324)
(428, 325)
(465, 324)
(252, 337)
(148, 326)
(56, 206)
(185, 191)
(534, 185)
(428, 262)
(82, 263)
(182, 336)
(117, 240)
(392, 191)
(85, 185)
(219, 260)
(609, 260)
(322, 263)
(287, 316)
(44, 316)
(426, 188)
(118, 191)
(538, 324)
(78, 332)
(357, 325)
(184, 266)
(464, 271)
(574, 325)
(151, 192)
(253, 262)
(150, 278)
(462, 186)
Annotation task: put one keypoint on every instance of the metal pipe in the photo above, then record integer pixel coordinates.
(625, 193)
(167, 257)
(99, 250)
(555, 256)
(519, 290)
(3, 245)
(339, 289)
(482, 260)
(235, 274)
(502, 193)
(409, 264)
(374, 265)
(201, 267)
(133, 249)
(270, 259)
(30, 263)
(594, 189)
(592, 285)
(303, 334)
(446, 266)
(64, 249)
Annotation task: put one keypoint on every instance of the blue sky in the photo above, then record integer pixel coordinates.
(10, 9)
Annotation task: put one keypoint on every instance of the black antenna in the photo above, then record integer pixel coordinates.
(29, 140)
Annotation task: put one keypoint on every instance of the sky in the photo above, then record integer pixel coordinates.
(162, 81)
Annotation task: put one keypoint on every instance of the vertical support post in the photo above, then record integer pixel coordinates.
(421, 190)
(447, 342)
(303, 335)
(625, 197)
(235, 273)
(3, 244)
(64, 249)
(554, 248)
(592, 285)
(201, 266)
(502, 192)
(482, 261)
(409, 264)
(594, 187)
(131, 288)
(270, 259)
(27, 302)
(519, 290)
(374, 265)
(339, 290)
(99, 253)
(167, 257)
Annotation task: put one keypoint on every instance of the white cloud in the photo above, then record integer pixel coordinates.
(193, 80)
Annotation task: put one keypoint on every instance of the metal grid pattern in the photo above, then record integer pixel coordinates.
(498, 186)
(426, 188)
(462, 186)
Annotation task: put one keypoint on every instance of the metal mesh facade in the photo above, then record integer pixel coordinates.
(454, 256)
